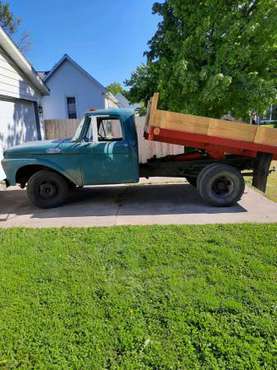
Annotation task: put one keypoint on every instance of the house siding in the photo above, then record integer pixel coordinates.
(12, 83)
(109, 103)
(68, 81)
(18, 104)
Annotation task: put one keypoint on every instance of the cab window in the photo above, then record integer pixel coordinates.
(109, 129)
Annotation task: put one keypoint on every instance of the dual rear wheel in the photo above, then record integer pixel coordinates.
(220, 185)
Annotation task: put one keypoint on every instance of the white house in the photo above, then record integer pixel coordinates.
(73, 91)
(21, 90)
(123, 102)
(111, 101)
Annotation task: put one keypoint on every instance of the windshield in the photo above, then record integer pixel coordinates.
(78, 132)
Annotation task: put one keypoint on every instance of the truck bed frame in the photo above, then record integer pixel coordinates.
(243, 146)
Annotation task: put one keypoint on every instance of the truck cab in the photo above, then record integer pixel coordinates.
(106, 143)
(104, 150)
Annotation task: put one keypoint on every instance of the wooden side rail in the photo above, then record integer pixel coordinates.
(211, 127)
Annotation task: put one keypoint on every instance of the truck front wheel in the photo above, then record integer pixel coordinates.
(220, 185)
(47, 189)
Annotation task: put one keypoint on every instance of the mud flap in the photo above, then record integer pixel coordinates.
(261, 171)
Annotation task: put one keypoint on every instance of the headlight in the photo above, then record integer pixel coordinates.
(6, 154)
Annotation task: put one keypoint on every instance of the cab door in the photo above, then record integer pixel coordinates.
(107, 157)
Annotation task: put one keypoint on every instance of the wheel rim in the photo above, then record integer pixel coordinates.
(47, 190)
(223, 186)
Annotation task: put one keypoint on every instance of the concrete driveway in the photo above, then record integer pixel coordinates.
(152, 202)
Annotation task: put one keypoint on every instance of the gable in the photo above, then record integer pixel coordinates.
(72, 79)
(66, 60)
(12, 82)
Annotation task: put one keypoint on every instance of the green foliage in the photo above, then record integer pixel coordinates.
(8, 21)
(143, 83)
(115, 88)
(213, 57)
(160, 297)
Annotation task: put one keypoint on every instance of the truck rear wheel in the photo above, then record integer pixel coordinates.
(220, 185)
(47, 189)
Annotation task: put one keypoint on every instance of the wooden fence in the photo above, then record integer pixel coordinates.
(62, 129)
(149, 149)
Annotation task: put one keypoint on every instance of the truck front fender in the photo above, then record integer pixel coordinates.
(13, 165)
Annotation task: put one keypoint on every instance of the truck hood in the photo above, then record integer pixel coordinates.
(35, 148)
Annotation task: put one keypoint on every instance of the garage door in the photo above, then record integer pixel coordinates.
(17, 125)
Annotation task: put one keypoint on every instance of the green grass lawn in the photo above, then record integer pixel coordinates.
(185, 297)
(271, 190)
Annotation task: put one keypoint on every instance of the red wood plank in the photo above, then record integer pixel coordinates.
(211, 143)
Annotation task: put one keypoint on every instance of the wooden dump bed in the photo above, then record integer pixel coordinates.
(208, 133)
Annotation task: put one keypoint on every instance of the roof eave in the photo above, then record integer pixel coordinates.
(76, 65)
(13, 52)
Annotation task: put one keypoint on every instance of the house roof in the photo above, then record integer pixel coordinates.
(66, 57)
(123, 102)
(21, 62)
(110, 96)
(43, 74)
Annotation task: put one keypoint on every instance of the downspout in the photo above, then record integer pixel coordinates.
(37, 120)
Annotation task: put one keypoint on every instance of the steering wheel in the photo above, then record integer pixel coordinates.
(100, 136)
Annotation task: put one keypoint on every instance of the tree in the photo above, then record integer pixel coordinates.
(10, 23)
(212, 57)
(115, 88)
(142, 83)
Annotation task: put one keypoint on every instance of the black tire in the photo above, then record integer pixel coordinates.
(191, 180)
(47, 189)
(203, 172)
(220, 185)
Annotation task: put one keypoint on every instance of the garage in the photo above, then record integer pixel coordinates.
(21, 90)
(17, 123)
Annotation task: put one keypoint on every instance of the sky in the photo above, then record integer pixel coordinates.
(106, 37)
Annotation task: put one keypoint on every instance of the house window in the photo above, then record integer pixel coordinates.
(71, 107)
